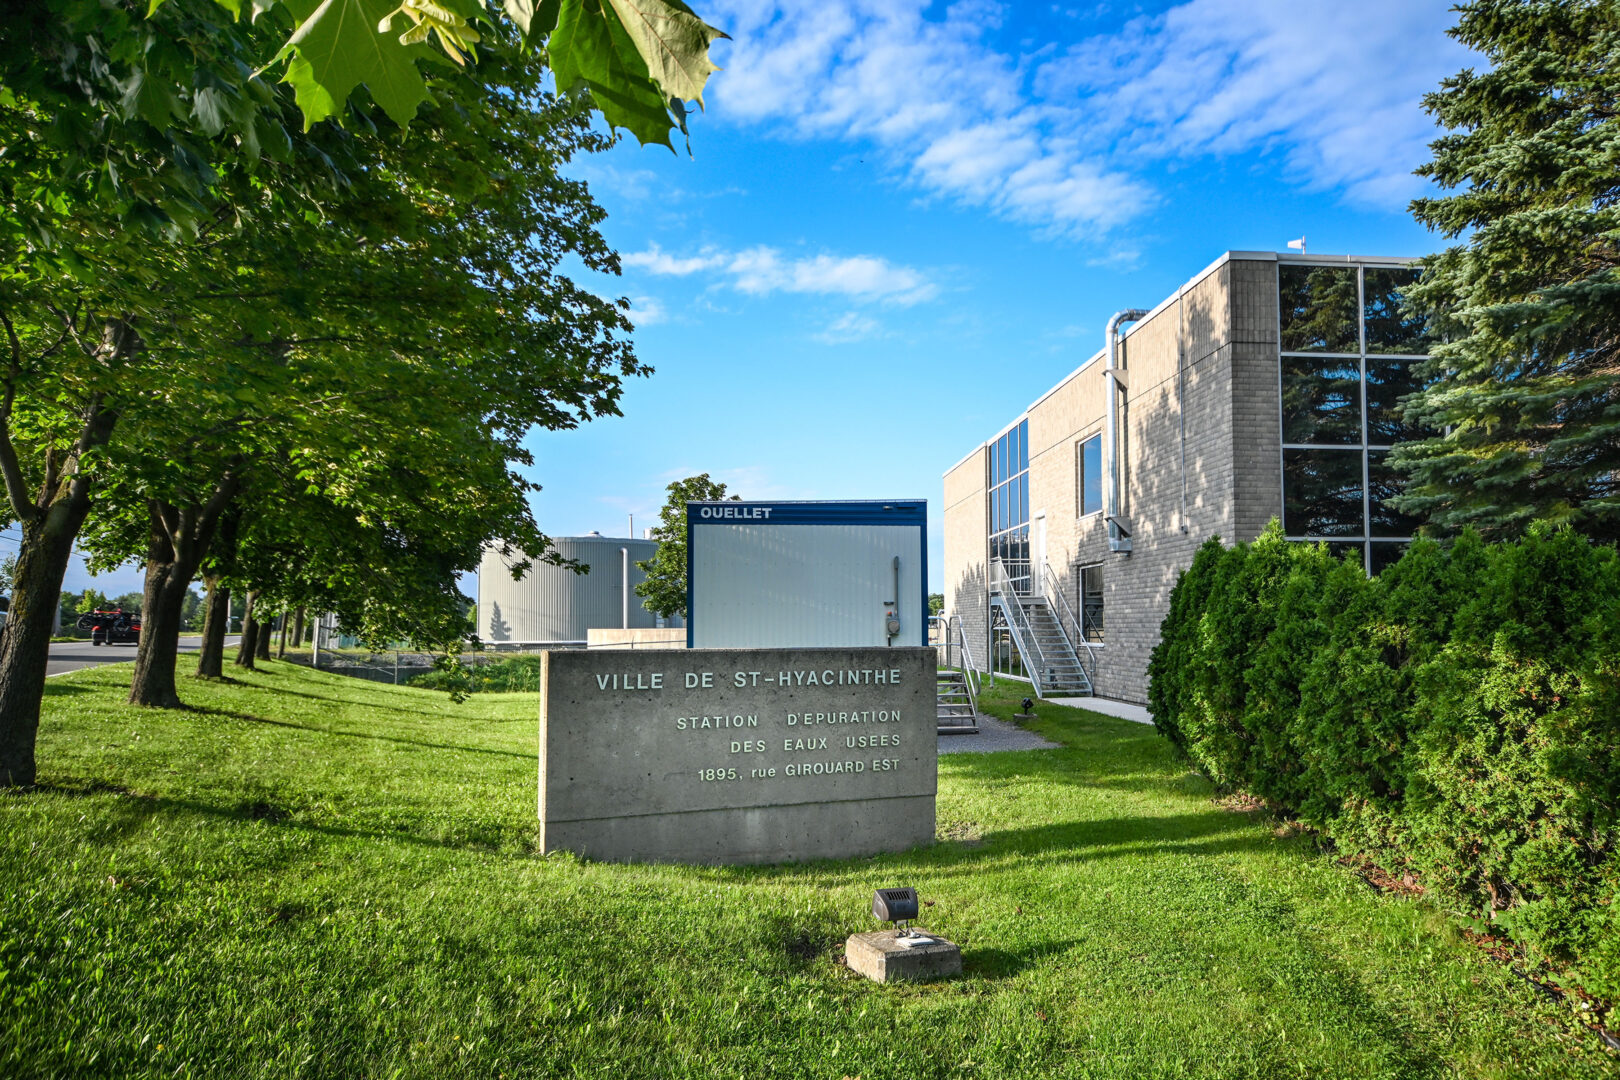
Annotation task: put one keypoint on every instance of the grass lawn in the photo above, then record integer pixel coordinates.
(320, 876)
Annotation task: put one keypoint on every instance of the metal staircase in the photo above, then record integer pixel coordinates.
(1044, 647)
(957, 685)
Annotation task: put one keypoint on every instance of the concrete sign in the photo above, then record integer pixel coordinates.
(737, 755)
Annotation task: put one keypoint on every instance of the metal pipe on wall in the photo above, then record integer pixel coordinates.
(1117, 541)
(624, 587)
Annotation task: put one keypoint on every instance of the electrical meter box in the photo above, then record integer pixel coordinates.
(765, 575)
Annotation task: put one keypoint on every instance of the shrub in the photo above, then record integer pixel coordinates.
(509, 674)
(1457, 717)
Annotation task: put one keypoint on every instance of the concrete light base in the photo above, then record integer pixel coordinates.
(880, 957)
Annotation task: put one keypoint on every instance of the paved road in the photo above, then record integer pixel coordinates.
(69, 656)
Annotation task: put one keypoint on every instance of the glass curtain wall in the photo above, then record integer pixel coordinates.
(1348, 355)
(1009, 503)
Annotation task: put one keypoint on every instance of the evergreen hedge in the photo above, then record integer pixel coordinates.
(1456, 717)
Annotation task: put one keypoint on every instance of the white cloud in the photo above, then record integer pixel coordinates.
(1334, 88)
(847, 328)
(656, 261)
(760, 271)
(950, 112)
(647, 311)
(1060, 136)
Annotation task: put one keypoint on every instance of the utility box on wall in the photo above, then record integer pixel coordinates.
(806, 574)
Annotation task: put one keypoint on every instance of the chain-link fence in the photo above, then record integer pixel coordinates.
(342, 654)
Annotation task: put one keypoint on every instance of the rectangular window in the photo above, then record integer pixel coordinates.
(1321, 400)
(1387, 382)
(1091, 603)
(1088, 467)
(1386, 555)
(1319, 308)
(1009, 503)
(1341, 412)
(1355, 552)
(1322, 493)
(1382, 483)
(1390, 329)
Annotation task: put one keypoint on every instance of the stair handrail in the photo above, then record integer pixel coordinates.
(954, 635)
(1018, 622)
(1082, 651)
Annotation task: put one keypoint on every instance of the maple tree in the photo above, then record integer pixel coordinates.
(159, 193)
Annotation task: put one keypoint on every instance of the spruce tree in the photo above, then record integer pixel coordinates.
(1525, 374)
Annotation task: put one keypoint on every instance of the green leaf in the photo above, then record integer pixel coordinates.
(337, 47)
(536, 18)
(152, 100)
(673, 43)
(210, 109)
(591, 48)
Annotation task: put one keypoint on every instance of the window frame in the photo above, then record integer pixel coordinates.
(1366, 540)
(1080, 595)
(1080, 511)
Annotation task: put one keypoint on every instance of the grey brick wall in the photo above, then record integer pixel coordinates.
(1179, 446)
(1257, 425)
(1202, 439)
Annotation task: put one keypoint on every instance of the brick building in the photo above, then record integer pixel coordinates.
(1265, 387)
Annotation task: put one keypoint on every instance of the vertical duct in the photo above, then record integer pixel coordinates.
(1118, 538)
(624, 587)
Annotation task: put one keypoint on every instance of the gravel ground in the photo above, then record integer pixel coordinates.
(994, 735)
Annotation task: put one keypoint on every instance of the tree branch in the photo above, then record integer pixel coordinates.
(10, 466)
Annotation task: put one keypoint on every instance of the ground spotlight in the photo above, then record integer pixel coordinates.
(898, 906)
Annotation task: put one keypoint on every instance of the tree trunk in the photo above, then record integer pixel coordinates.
(49, 526)
(250, 634)
(167, 578)
(177, 544)
(26, 646)
(261, 644)
(298, 628)
(216, 624)
(281, 642)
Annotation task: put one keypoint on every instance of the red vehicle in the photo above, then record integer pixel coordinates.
(112, 626)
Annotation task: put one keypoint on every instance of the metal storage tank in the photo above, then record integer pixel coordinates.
(806, 574)
(553, 605)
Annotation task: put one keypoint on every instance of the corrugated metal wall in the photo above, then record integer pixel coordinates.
(554, 604)
(797, 586)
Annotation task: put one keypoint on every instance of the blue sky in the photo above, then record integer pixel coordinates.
(904, 221)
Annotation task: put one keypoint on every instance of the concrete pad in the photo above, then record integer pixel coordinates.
(881, 956)
(994, 736)
(1125, 710)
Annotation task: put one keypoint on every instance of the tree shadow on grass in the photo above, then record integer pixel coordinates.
(134, 809)
(62, 689)
(251, 719)
(283, 691)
